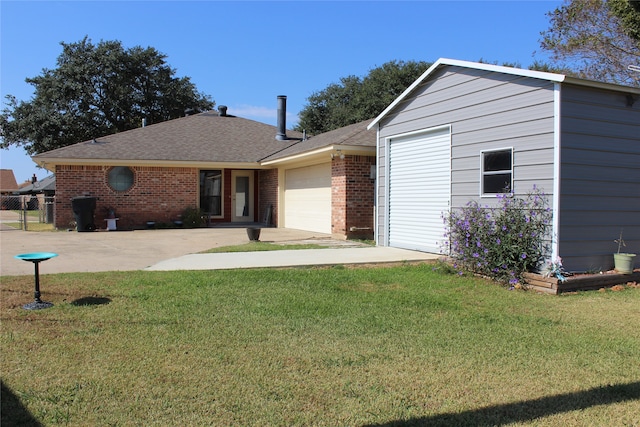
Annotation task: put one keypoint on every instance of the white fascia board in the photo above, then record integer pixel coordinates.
(299, 156)
(467, 64)
(405, 93)
(51, 163)
(345, 149)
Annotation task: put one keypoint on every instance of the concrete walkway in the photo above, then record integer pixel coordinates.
(177, 249)
(291, 258)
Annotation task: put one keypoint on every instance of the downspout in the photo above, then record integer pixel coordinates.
(555, 228)
(376, 212)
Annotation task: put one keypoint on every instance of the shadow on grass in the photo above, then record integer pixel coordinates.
(91, 301)
(527, 410)
(13, 412)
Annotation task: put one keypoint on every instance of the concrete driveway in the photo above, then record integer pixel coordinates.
(175, 249)
(121, 250)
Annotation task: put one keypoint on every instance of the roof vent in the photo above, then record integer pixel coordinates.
(282, 118)
(189, 111)
(222, 111)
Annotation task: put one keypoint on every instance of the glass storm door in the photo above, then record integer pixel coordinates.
(242, 196)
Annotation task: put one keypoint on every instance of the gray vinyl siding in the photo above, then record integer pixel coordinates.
(600, 176)
(486, 110)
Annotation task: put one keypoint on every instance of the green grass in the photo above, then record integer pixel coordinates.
(32, 226)
(257, 246)
(405, 345)
(30, 213)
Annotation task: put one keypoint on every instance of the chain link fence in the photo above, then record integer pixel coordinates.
(25, 209)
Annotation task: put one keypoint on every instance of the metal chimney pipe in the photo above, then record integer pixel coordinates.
(282, 118)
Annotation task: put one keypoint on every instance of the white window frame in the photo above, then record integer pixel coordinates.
(483, 173)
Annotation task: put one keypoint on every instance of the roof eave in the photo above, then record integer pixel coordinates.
(318, 153)
(51, 163)
(466, 64)
(553, 77)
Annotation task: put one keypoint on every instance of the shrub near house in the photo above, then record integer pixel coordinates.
(503, 242)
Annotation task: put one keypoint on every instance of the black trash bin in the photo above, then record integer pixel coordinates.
(83, 210)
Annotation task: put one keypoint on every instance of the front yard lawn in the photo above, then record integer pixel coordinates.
(402, 345)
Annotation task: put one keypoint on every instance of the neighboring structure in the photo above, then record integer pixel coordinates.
(236, 170)
(46, 187)
(463, 130)
(8, 184)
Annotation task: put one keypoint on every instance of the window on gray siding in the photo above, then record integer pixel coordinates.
(211, 192)
(120, 178)
(497, 171)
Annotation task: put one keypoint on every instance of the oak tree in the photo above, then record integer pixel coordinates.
(97, 90)
(596, 38)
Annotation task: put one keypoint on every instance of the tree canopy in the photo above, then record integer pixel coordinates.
(355, 99)
(596, 38)
(97, 90)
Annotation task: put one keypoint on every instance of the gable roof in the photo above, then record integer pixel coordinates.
(356, 137)
(46, 184)
(553, 77)
(204, 138)
(7, 181)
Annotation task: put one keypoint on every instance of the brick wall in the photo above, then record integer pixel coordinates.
(352, 197)
(268, 194)
(158, 194)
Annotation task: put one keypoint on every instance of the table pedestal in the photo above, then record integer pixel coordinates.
(37, 303)
(36, 258)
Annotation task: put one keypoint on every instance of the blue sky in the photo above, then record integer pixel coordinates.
(244, 54)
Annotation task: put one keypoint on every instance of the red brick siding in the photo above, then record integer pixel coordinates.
(268, 194)
(352, 196)
(158, 194)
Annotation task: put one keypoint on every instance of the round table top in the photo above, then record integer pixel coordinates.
(36, 256)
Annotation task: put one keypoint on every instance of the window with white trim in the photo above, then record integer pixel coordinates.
(497, 171)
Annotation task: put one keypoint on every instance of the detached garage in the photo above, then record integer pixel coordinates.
(419, 188)
(307, 198)
(467, 131)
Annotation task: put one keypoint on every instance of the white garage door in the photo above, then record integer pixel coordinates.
(419, 189)
(307, 198)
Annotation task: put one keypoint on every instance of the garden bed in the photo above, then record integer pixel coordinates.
(579, 282)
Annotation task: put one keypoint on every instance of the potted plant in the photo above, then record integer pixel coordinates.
(623, 261)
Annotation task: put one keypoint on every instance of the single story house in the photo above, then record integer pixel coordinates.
(8, 184)
(463, 130)
(46, 187)
(235, 170)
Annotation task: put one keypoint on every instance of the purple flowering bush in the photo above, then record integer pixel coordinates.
(502, 242)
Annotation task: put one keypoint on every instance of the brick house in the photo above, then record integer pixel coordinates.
(237, 171)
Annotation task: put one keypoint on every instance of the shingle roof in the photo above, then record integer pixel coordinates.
(7, 181)
(46, 184)
(351, 135)
(204, 137)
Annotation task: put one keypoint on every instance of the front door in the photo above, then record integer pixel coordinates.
(242, 196)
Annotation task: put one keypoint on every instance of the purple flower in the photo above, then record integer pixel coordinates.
(523, 256)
